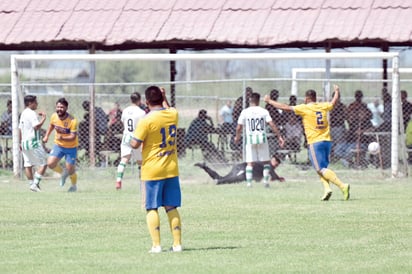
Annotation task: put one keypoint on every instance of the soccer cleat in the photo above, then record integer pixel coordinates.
(35, 188)
(266, 185)
(177, 248)
(345, 192)
(63, 177)
(249, 184)
(326, 196)
(73, 188)
(156, 249)
(119, 185)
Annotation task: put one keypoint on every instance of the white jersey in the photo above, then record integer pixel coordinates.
(130, 117)
(254, 121)
(30, 138)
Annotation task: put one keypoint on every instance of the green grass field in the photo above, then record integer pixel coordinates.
(226, 229)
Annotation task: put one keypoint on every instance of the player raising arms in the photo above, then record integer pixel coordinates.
(160, 171)
(130, 116)
(317, 131)
(65, 143)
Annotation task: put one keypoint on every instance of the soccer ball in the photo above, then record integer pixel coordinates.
(374, 148)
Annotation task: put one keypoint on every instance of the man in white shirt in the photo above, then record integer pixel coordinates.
(130, 117)
(254, 120)
(31, 142)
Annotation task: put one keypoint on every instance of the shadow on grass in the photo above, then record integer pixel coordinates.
(211, 248)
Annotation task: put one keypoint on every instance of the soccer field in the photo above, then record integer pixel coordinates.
(226, 229)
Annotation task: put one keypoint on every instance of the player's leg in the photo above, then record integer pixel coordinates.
(152, 195)
(41, 163)
(53, 163)
(318, 160)
(251, 156)
(172, 200)
(29, 162)
(71, 155)
(264, 157)
(213, 174)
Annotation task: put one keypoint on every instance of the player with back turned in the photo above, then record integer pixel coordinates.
(160, 172)
(317, 131)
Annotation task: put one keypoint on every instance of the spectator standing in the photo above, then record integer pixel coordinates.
(31, 143)
(377, 110)
(130, 117)
(406, 108)
(254, 119)
(6, 127)
(338, 131)
(359, 120)
(65, 143)
(160, 171)
(317, 129)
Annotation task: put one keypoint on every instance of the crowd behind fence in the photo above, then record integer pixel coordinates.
(212, 139)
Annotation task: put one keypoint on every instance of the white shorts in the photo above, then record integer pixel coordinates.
(126, 149)
(257, 153)
(35, 157)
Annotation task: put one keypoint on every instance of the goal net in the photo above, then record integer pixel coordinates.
(204, 86)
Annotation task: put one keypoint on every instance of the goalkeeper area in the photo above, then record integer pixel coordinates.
(206, 83)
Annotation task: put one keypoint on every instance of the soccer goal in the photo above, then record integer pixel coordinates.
(203, 81)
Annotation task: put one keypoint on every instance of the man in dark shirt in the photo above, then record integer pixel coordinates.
(237, 174)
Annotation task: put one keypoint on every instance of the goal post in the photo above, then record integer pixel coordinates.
(17, 92)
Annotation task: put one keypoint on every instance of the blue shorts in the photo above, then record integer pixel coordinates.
(160, 193)
(70, 154)
(319, 154)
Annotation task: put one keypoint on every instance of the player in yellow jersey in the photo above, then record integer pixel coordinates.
(159, 173)
(317, 131)
(65, 143)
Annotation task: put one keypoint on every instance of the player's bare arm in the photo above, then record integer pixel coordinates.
(336, 95)
(43, 119)
(135, 143)
(277, 104)
(48, 132)
(165, 103)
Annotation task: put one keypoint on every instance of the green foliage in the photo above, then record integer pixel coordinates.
(226, 229)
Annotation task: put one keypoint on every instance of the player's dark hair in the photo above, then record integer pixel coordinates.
(63, 101)
(274, 94)
(29, 99)
(135, 97)
(254, 98)
(86, 105)
(311, 94)
(154, 96)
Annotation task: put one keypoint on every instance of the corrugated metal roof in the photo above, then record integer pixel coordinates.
(127, 24)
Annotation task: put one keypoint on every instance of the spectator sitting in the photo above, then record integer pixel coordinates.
(198, 134)
(6, 120)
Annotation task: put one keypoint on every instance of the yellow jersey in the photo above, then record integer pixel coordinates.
(315, 120)
(65, 127)
(157, 132)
